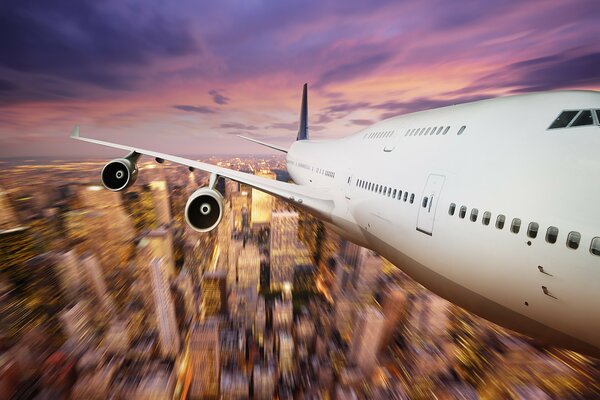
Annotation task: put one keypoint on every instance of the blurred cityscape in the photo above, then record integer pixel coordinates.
(109, 295)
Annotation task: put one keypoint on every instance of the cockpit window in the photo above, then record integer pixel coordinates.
(598, 116)
(584, 118)
(563, 119)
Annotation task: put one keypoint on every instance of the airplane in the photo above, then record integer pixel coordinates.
(492, 205)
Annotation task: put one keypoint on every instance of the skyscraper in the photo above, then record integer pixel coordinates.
(264, 382)
(161, 202)
(394, 308)
(95, 278)
(366, 338)
(205, 360)
(286, 249)
(214, 294)
(165, 311)
(248, 268)
(286, 353)
(8, 218)
(262, 204)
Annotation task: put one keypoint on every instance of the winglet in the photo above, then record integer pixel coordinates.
(303, 125)
(75, 132)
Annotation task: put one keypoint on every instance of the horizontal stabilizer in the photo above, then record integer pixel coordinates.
(264, 144)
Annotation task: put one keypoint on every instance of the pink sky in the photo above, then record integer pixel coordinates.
(186, 77)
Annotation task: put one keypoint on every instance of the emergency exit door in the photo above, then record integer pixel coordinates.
(429, 202)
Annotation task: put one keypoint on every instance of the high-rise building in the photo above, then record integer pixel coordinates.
(367, 338)
(234, 385)
(248, 268)
(282, 315)
(240, 204)
(159, 244)
(264, 382)
(213, 300)
(165, 311)
(139, 203)
(260, 321)
(95, 278)
(78, 325)
(70, 272)
(16, 247)
(8, 218)
(286, 250)
(286, 352)
(367, 273)
(262, 204)
(394, 308)
(204, 348)
(161, 202)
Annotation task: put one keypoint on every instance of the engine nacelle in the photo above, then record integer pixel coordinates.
(204, 210)
(119, 174)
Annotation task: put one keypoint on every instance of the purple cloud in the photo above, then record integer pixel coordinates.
(194, 109)
(218, 97)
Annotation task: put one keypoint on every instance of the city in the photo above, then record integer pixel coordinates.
(107, 295)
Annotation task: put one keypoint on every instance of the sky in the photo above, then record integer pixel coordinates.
(186, 77)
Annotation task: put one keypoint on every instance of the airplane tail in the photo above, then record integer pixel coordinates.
(303, 124)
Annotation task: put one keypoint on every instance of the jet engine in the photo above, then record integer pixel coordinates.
(204, 209)
(119, 174)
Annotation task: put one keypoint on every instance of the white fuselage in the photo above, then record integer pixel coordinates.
(505, 162)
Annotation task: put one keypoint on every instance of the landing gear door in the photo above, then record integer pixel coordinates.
(429, 203)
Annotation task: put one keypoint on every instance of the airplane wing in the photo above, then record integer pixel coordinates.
(316, 200)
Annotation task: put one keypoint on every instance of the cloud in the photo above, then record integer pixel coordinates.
(361, 122)
(218, 97)
(395, 108)
(291, 126)
(7, 86)
(237, 125)
(352, 70)
(195, 109)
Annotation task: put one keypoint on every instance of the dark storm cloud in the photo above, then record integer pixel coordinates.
(218, 97)
(99, 43)
(237, 125)
(194, 109)
(7, 86)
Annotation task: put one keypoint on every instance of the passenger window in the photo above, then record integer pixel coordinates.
(515, 226)
(584, 118)
(474, 213)
(389, 192)
(433, 130)
(399, 194)
(487, 217)
(563, 119)
(424, 203)
(551, 234)
(463, 212)
(595, 246)
(418, 131)
(446, 130)
(573, 240)
(427, 131)
(439, 130)
(500, 221)
(394, 193)
(532, 229)
(452, 209)
(405, 196)
(412, 198)
(461, 130)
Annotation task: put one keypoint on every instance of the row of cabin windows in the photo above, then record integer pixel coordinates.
(386, 191)
(325, 172)
(432, 131)
(573, 238)
(378, 135)
(571, 118)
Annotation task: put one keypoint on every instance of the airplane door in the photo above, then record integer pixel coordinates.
(429, 203)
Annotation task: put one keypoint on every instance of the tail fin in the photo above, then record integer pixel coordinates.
(303, 125)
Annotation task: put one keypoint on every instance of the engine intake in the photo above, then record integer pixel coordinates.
(204, 210)
(119, 174)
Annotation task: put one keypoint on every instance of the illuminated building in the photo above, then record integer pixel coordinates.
(159, 244)
(165, 311)
(70, 273)
(366, 273)
(286, 353)
(224, 230)
(286, 251)
(282, 315)
(248, 268)
(264, 382)
(214, 294)
(234, 385)
(95, 277)
(78, 325)
(260, 321)
(139, 203)
(16, 247)
(205, 361)
(240, 204)
(345, 310)
(394, 308)
(14, 315)
(8, 218)
(161, 202)
(366, 338)
(262, 204)
(232, 349)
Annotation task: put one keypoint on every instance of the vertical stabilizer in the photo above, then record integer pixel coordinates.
(303, 124)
